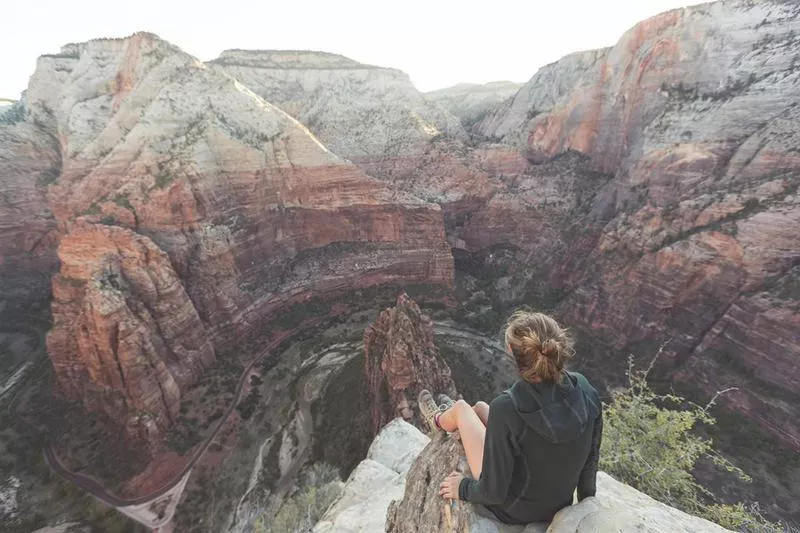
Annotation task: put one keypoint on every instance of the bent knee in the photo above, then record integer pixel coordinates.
(480, 405)
(461, 405)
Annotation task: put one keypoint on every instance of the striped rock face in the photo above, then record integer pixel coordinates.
(191, 214)
(691, 236)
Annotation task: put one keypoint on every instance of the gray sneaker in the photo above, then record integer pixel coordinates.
(428, 408)
(445, 402)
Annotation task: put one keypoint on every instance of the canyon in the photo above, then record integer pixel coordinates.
(174, 240)
(164, 219)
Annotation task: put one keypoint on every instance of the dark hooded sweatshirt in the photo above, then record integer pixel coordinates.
(542, 441)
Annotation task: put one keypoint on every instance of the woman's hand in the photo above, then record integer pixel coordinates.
(449, 487)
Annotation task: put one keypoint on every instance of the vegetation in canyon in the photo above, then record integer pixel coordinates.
(650, 442)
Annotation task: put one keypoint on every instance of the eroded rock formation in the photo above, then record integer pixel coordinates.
(690, 239)
(370, 115)
(400, 361)
(126, 338)
(160, 168)
(376, 118)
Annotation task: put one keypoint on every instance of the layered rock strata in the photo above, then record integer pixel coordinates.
(376, 118)
(693, 241)
(126, 338)
(370, 115)
(204, 213)
(400, 360)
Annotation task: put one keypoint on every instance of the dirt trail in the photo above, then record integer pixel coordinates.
(95, 488)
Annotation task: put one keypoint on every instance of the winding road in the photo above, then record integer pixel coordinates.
(96, 489)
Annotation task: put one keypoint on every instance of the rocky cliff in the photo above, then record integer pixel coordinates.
(470, 102)
(191, 208)
(690, 238)
(126, 338)
(370, 115)
(377, 119)
(647, 192)
(29, 161)
(400, 360)
(366, 504)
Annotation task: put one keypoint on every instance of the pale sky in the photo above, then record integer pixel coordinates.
(437, 42)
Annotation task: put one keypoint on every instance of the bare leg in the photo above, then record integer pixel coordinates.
(472, 430)
(482, 410)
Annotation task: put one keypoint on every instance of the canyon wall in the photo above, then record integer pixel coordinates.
(377, 119)
(29, 161)
(647, 192)
(693, 241)
(370, 115)
(470, 102)
(192, 214)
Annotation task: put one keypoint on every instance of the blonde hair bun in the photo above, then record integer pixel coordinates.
(540, 346)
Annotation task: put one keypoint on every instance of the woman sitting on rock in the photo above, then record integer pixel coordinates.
(537, 441)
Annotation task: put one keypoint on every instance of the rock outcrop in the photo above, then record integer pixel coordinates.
(418, 508)
(400, 360)
(224, 218)
(126, 338)
(376, 481)
(470, 102)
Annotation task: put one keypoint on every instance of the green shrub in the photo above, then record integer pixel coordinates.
(648, 443)
(123, 201)
(15, 113)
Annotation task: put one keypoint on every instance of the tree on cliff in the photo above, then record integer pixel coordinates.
(648, 443)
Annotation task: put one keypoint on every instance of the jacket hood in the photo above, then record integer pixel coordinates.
(559, 412)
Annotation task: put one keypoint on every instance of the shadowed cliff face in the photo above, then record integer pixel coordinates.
(694, 114)
(29, 160)
(216, 210)
(400, 361)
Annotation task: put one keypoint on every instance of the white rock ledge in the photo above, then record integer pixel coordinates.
(381, 478)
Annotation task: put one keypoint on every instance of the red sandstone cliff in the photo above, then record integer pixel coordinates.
(215, 210)
(693, 118)
(126, 338)
(400, 361)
